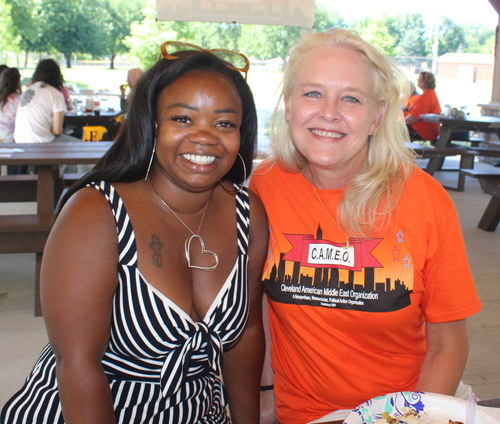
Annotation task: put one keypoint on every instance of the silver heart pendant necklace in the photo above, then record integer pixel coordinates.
(187, 244)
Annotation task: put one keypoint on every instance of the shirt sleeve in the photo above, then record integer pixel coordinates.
(59, 104)
(450, 293)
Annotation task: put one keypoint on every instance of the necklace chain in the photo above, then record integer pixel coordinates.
(328, 213)
(187, 243)
(179, 218)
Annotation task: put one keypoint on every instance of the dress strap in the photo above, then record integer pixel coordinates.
(242, 219)
(126, 237)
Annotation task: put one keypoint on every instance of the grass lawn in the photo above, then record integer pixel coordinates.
(109, 79)
(263, 84)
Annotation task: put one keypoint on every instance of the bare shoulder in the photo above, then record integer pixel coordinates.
(257, 210)
(258, 217)
(85, 220)
(79, 268)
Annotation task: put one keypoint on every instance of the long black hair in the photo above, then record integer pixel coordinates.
(128, 158)
(49, 72)
(10, 83)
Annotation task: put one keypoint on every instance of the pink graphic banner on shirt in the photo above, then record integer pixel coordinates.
(315, 253)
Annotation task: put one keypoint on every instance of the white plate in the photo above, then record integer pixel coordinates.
(435, 409)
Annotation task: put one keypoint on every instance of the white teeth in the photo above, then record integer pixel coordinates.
(327, 134)
(198, 159)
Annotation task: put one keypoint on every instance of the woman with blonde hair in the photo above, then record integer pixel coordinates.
(427, 102)
(363, 297)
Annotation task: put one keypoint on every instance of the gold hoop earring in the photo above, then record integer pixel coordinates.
(151, 160)
(244, 179)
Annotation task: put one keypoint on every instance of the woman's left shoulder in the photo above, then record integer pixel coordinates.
(256, 207)
(422, 186)
(259, 229)
(420, 178)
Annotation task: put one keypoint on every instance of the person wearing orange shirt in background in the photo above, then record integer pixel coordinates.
(413, 98)
(427, 102)
(366, 275)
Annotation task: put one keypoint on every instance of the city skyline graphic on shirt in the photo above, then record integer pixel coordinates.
(352, 287)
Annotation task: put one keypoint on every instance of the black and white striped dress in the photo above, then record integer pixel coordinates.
(162, 366)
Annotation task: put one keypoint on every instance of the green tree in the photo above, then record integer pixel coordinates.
(28, 26)
(479, 39)
(147, 36)
(325, 19)
(451, 36)
(411, 45)
(396, 26)
(412, 36)
(116, 26)
(266, 42)
(211, 35)
(377, 34)
(259, 41)
(9, 41)
(68, 27)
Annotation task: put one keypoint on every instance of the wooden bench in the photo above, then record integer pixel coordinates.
(23, 188)
(18, 188)
(70, 179)
(26, 234)
(437, 156)
(484, 151)
(490, 183)
(473, 142)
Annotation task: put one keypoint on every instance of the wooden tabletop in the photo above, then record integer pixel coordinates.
(468, 123)
(47, 157)
(55, 153)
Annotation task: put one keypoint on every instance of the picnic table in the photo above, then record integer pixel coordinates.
(449, 125)
(442, 148)
(28, 233)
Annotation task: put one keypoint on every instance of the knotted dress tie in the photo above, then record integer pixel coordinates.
(205, 343)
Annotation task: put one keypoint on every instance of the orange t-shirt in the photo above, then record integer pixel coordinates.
(349, 326)
(409, 103)
(427, 102)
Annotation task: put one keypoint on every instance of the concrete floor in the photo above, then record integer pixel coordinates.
(22, 336)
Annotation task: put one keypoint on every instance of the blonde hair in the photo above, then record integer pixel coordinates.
(371, 196)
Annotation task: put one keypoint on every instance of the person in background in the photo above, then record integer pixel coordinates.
(10, 94)
(367, 276)
(66, 95)
(427, 102)
(40, 114)
(150, 281)
(2, 68)
(412, 99)
(133, 76)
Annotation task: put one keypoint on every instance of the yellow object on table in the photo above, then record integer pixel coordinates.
(93, 133)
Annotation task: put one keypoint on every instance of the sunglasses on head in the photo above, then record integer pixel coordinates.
(236, 61)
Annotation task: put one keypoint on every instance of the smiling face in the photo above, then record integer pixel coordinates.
(198, 136)
(332, 111)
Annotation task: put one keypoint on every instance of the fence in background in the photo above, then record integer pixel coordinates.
(120, 62)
